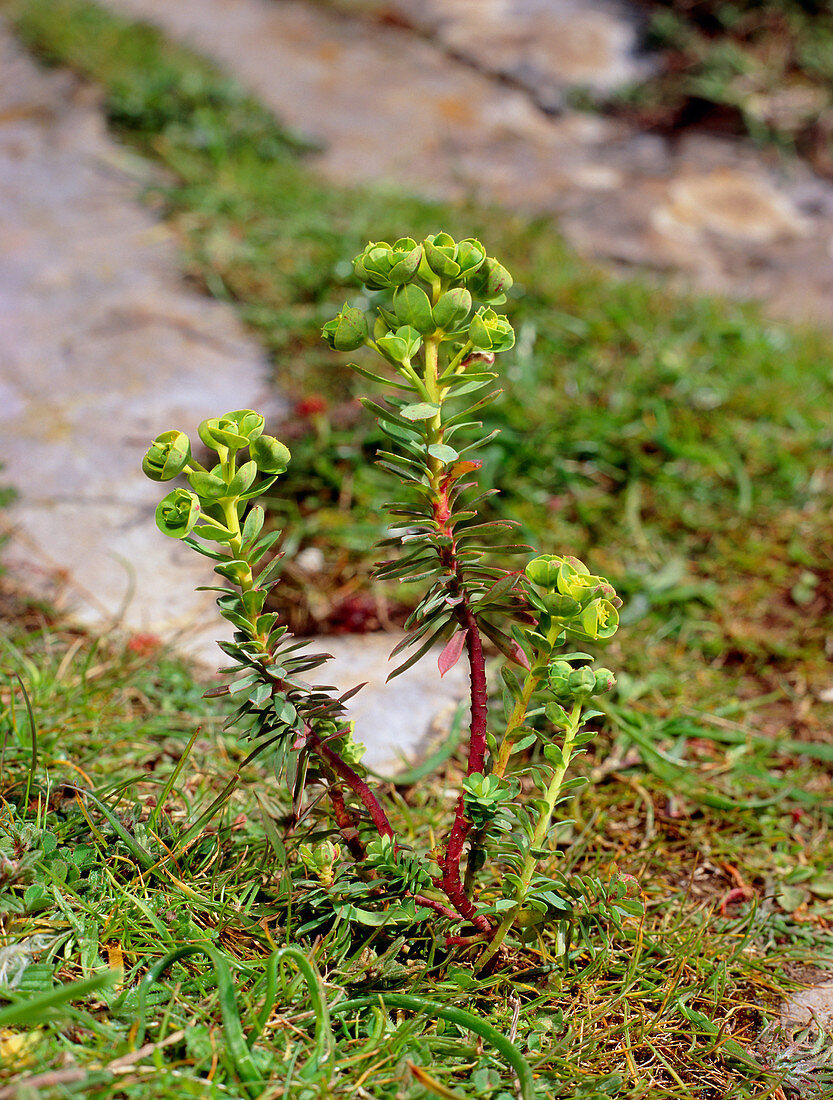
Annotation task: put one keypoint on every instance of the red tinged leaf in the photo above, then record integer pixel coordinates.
(464, 467)
(520, 656)
(451, 652)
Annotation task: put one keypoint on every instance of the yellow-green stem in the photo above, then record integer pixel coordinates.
(246, 582)
(538, 837)
(518, 715)
(516, 719)
(434, 426)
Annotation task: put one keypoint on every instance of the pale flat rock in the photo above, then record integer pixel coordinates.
(548, 46)
(459, 102)
(102, 346)
(386, 105)
(813, 1005)
(400, 720)
(729, 203)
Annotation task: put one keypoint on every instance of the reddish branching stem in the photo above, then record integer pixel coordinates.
(450, 881)
(355, 782)
(437, 906)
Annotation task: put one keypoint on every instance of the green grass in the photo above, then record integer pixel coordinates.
(100, 881)
(682, 444)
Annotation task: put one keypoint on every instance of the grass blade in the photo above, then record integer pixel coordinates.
(455, 1016)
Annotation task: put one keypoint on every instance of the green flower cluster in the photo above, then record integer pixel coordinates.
(570, 684)
(582, 605)
(431, 290)
(204, 509)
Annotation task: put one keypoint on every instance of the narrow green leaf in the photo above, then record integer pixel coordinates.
(424, 410)
(443, 452)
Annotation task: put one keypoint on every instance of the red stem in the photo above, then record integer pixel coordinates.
(438, 906)
(477, 673)
(356, 784)
(463, 941)
(451, 882)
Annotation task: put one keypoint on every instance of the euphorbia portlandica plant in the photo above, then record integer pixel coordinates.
(433, 323)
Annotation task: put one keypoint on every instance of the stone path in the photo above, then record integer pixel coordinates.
(549, 48)
(393, 106)
(102, 346)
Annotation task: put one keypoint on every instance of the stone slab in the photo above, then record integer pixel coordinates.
(102, 346)
(430, 110)
(548, 47)
(397, 721)
(813, 1005)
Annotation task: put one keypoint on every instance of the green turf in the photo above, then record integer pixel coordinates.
(99, 880)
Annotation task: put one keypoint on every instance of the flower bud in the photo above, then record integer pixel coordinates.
(558, 675)
(605, 681)
(470, 256)
(400, 345)
(582, 682)
(452, 309)
(271, 456)
(249, 423)
(167, 456)
(177, 513)
(320, 860)
(373, 265)
(491, 332)
(223, 431)
(347, 331)
(440, 251)
(490, 282)
(405, 257)
(543, 570)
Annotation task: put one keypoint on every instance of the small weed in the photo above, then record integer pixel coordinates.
(669, 440)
